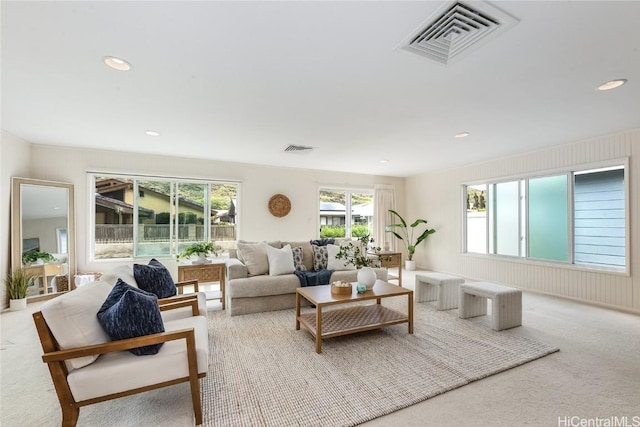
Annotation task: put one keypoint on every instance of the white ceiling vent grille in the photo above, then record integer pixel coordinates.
(298, 149)
(455, 29)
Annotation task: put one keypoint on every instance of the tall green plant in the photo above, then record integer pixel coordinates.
(405, 233)
(18, 282)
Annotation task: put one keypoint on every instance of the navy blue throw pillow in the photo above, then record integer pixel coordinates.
(130, 312)
(154, 278)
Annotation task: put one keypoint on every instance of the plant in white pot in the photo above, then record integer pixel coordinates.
(200, 250)
(405, 232)
(18, 282)
(357, 253)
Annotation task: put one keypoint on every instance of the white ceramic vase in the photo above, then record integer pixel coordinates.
(17, 304)
(367, 277)
(409, 265)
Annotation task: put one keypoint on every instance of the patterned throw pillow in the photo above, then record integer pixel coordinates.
(320, 257)
(130, 312)
(154, 278)
(298, 259)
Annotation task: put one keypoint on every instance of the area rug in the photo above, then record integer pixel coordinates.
(262, 372)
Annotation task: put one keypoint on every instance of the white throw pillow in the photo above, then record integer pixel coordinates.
(337, 264)
(254, 256)
(280, 261)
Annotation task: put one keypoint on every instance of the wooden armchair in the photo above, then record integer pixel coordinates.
(112, 371)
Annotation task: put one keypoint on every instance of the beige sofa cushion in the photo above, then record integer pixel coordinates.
(254, 256)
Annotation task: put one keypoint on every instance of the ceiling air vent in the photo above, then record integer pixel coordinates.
(297, 149)
(455, 29)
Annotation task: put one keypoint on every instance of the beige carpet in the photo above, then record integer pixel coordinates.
(265, 373)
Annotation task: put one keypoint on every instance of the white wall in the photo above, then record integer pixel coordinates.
(259, 183)
(436, 197)
(14, 161)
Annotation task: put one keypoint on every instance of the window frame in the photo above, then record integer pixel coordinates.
(348, 217)
(136, 178)
(570, 172)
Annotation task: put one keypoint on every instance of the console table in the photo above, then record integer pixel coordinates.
(391, 259)
(205, 273)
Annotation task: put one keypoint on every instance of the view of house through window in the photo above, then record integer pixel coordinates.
(576, 217)
(334, 221)
(145, 217)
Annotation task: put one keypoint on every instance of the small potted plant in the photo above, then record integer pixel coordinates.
(358, 253)
(37, 257)
(18, 282)
(200, 250)
(406, 236)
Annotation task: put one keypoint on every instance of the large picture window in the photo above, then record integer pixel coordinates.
(576, 217)
(345, 213)
(157, 217)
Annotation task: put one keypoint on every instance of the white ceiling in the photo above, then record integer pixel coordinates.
(240, 81)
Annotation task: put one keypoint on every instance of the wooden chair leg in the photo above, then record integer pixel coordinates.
(70, 415)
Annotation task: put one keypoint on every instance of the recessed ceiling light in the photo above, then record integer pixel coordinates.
(462, 135)
(152, 133)
(117, 63)
(612, 84)
(384, 161)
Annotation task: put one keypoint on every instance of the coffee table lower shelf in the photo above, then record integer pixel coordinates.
(351, 320)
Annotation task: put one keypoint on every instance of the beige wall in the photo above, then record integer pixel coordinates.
(258, 185)
(15, 157)
(436, 197)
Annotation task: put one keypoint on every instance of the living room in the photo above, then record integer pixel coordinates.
(573, 141)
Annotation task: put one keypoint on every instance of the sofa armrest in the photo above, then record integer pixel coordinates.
(235, 269)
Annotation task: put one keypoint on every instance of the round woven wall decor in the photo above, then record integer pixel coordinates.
(279, 205)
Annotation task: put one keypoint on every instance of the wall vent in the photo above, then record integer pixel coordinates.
(455, 29)
(297, 149)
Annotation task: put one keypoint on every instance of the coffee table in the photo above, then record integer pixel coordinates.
(352, 319)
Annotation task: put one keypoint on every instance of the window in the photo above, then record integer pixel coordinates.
(334, 221)
(158, 217)
(576, 217)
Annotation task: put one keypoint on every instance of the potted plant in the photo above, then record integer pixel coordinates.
(18, 282)
(201, 250)
(31, 257)
(358, 253)
(405, 234)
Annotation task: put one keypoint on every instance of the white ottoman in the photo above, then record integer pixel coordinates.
(506, 303)
(432, 286)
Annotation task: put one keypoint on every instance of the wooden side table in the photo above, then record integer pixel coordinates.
(205, 273)
(392, 259)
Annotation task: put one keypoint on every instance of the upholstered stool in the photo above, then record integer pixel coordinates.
(432, 286)
(506, 303)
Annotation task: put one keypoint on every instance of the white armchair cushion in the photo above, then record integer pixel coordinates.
(124, 272)
(73, 321)
(121, 371)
